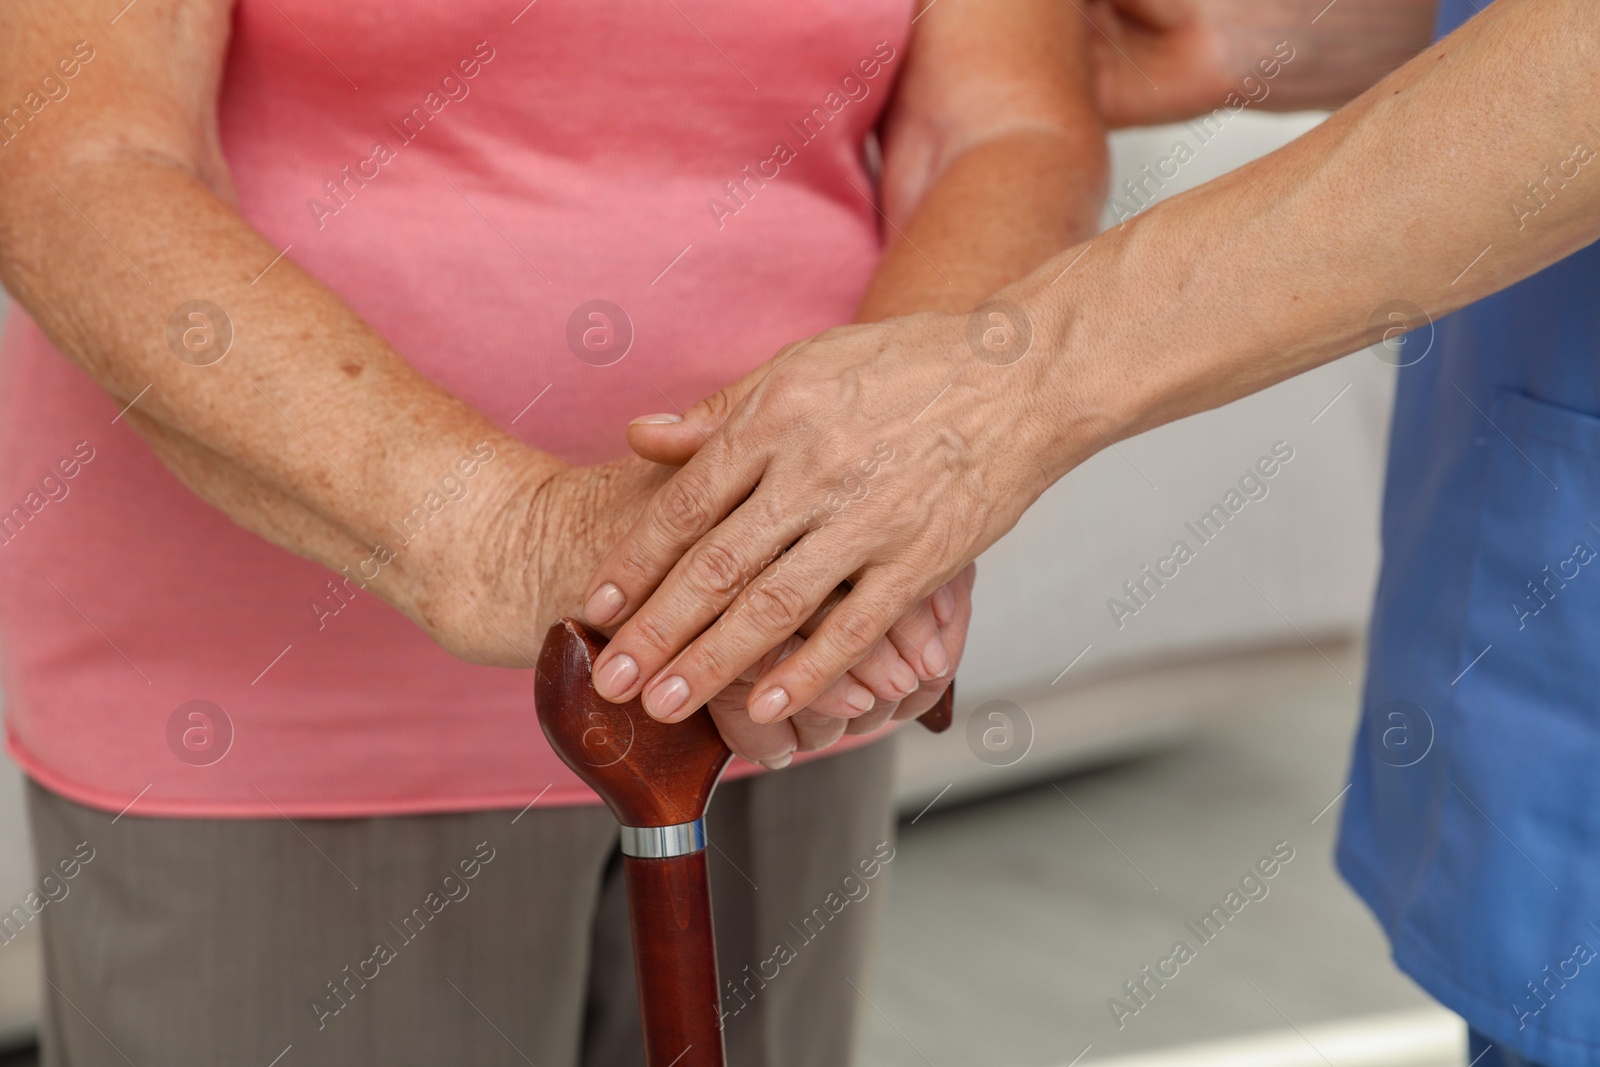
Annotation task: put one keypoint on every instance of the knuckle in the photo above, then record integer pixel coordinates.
(685, 506)
(810, 673)
(777, 604)
(648, 632)
(789, 395)
(711, 661)
(717, 405)
(855, 630)
(634, 570)
(715, 569)
(871, 669)
(874, 670)
(772, 512)
(768, 659)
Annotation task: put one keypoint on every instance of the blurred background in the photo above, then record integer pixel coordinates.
(1113, 773)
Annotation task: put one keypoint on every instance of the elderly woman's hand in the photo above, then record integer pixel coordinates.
(773, 743)
(887, 456)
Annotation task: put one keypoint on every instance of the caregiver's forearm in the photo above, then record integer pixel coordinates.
(1418, 191)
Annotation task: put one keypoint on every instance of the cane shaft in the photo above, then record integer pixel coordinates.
(675, 960)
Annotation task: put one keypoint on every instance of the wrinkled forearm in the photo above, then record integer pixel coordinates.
(311, 431)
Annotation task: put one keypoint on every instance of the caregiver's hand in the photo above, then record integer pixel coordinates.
(560, 529)
(886, 455)
(992, 160)
(930, 637)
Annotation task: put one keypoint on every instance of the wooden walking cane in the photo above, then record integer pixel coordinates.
(656, 778)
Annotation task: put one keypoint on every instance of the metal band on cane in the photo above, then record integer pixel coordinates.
(663, 842)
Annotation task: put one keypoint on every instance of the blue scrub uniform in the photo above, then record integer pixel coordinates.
(1472, 827)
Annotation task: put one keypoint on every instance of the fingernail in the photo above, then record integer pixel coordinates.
(903, 678)
(604, 605)
(780, 763)
(769, 705)
(616, 677)
(665, 418)
(933, 656)
(944, 604)
(666, 697)
(859, 697)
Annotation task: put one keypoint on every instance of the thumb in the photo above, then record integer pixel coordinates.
(672, 438)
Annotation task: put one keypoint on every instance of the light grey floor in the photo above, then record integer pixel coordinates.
(1012, 921)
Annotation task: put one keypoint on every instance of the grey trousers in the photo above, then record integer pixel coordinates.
(485, 938)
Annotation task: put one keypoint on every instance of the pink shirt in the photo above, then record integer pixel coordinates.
(696, 163)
